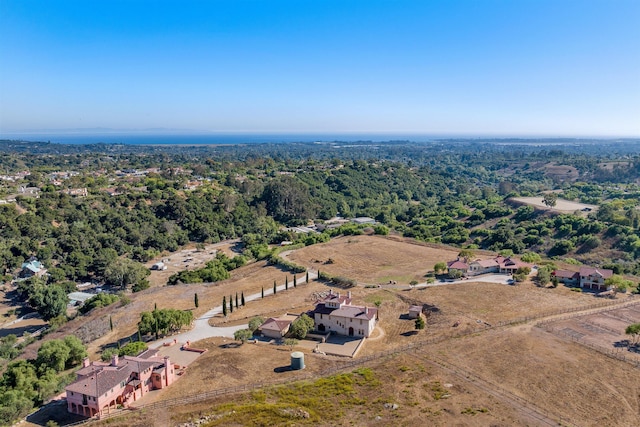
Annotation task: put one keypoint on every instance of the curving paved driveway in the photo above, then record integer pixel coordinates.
(202, 329)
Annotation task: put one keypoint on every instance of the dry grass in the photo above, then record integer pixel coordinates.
(559, 376)
(423, 393)
(373, 259)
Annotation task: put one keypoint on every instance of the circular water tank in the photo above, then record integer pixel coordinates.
(297, 360)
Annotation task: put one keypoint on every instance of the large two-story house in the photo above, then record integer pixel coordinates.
(593, 278)
(587, 277)
(101, 387)
(336, 314)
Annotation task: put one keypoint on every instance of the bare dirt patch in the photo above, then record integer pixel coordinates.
(188, 258)
(565, 206)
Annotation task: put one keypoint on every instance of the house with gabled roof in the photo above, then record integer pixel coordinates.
(483, 266)
(32, 268)
(568, 277)
(336, 314)
(277, 327)
(593, 278)
(458, 265)
(101, 387)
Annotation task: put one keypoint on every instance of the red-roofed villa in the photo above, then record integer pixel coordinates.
(101, 387)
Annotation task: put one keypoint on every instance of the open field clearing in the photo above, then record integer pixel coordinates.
(421, 391)
(188, 258)
(583, 386)
(373, 259)
(565, 206)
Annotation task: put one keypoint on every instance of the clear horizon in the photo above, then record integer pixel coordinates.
(462, 68)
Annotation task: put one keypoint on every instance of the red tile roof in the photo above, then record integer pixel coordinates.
(274, 324)
(590, 271)
(566, 274)
(457, 265)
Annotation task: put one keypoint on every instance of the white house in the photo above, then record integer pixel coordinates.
(336, 314)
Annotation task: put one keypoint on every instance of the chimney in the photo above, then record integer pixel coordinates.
(85, 362)
(114, 360)
(349, 294)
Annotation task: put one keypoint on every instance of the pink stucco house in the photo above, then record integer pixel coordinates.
(101, 387)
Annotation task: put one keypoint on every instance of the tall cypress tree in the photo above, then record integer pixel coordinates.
(307, 279)
(195, 300)
(286, 282)
(237, 300)
(263, 292)
(274, 287)
(295, 280)
(242, 299)
(224, 306)
(110, 323)
(230, 303)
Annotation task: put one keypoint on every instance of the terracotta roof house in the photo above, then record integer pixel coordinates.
(498, 264)
(571, 278)
(277, 327)
(510, 266)
(593, 278)
(101, 387)
(483, 266)
(336, 314)
(458, 265)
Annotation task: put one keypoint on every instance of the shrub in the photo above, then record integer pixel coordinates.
(530, 257)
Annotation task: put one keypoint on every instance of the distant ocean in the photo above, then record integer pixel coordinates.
(208, 139)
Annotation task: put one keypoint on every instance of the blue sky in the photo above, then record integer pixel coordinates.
(476, 67)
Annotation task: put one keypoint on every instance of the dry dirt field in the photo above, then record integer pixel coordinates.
(373, 259)
(565, 206)
(566, 379)
(604, 329)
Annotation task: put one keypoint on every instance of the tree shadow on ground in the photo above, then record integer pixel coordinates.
(230, 345)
